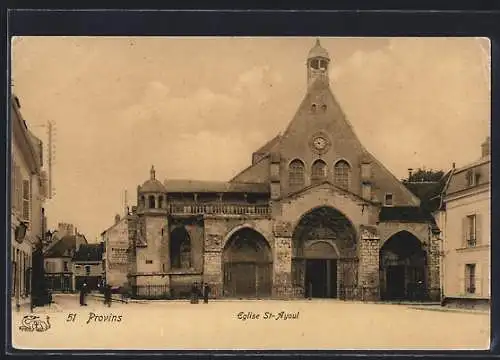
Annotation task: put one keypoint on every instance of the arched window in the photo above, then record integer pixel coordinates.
(296, 173)
(318, 171)
(342, 174)
(180, 249)
(160, 202)
(142, 202)
(151, 201)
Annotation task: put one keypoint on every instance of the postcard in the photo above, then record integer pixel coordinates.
(267, 193)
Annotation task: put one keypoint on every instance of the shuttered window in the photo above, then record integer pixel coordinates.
(26, 200)
(471, 230)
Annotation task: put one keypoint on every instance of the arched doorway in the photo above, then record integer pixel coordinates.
(402, 268)
(180, 249)
(247, 262)
(324, 261)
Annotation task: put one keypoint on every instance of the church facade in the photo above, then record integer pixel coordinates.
(315, 215)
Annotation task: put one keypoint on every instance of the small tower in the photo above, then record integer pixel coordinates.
(151, 195)
(317, 64)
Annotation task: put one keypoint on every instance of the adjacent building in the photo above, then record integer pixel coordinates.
(467, 246)
(58, 259)
(314, 214)
(27, 197)
(88, 266)
(115, 255)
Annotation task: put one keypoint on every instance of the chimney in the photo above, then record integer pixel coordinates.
(453, 165)
(486, 147)
(76, 231)
(410, 172)
(117, 219)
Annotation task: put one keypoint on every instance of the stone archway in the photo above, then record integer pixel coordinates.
(324, 261)
(247, 264)
(403, 264)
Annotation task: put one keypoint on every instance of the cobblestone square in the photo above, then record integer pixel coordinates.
(233, 324)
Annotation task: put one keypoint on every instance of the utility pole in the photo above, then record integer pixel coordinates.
(51, 157)
(125, 203)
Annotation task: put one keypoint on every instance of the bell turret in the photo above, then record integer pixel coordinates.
(317, 64)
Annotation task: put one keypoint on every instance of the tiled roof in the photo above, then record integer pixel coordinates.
(214, 186)
(430, 192)
(89, 252)
(405, 214)
(62, 247)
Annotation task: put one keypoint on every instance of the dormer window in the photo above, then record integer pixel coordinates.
(389, 199)
(314, 107)
(472, 178)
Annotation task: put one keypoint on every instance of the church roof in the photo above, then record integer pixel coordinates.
(269, 145)
(152, 186)
(318, 51)
(175, 186)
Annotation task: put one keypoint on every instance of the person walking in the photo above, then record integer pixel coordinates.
(107, 295)
(83, 294)
(195, 294)
(206, 293)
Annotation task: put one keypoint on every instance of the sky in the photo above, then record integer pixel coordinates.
(196, 108)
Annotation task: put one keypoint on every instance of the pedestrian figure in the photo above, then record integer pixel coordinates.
(206, 292)
(107, 295)
(195, 292)
(83, 294)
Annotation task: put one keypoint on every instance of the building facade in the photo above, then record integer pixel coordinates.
(27, 197)
(88, 266)
(58, 259)
(467, 199)
(115, 256)
(315, 214)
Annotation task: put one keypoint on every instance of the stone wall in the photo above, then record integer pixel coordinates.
(368, 280)
(355, 209)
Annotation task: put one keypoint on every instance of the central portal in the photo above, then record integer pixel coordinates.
(321, 278)
(323, 247)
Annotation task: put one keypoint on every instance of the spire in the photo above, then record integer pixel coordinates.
(153, 172)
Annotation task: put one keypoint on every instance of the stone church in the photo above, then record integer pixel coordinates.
(314, 215)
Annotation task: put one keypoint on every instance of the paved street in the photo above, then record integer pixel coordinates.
(303, 324)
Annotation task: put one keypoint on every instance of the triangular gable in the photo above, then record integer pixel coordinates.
(329, 186)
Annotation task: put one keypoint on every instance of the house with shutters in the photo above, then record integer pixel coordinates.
(28, 192)
(315, 214)
(466, 231)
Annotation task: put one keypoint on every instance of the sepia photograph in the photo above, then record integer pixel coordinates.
(250, 193)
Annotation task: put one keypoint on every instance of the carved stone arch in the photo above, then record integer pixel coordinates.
(317, 207)
(237, 228)
(397, 231)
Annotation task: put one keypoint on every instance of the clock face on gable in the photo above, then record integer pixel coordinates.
(320, 143)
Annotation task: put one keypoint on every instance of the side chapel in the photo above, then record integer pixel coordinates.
(315, 214)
